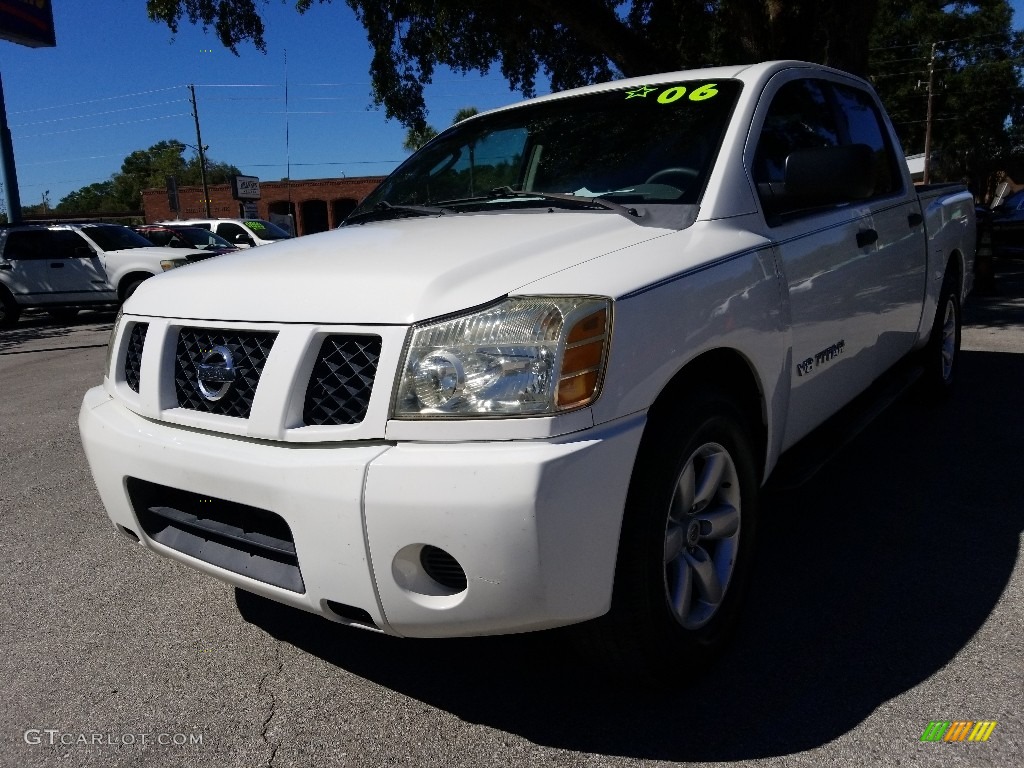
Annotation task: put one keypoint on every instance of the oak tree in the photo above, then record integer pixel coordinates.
(570, 42)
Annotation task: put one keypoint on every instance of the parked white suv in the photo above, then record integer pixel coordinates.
(63, 267)
(244, 233)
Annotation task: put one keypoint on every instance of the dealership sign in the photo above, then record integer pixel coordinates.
(28, 22)
(243, 187)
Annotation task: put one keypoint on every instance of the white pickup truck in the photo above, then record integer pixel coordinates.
(541, 373)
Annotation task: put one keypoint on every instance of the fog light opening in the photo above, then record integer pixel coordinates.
(443, 568)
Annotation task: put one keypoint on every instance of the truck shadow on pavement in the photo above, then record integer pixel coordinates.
(868, 579)
(37, 326)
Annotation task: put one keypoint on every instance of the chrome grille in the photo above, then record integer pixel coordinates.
(249, 350)
(133, 356)
(342, 379)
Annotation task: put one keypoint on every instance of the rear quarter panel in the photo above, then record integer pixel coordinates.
(952, 239)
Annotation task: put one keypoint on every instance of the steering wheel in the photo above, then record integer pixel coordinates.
(689, 174)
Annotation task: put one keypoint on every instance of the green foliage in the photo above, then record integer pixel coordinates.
(417, 137)
(978, 103)
(977, 95)
(92, 199)
(144, 169)
(571, 42)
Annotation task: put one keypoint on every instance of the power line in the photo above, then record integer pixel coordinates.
(94, 101)
(98, 114)
(21, 137)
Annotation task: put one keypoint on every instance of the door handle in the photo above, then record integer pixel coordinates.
(56, 265)
(915, 220)
(866, 237)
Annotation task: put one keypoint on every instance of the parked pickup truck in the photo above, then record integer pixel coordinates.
(63, 267)
(541, 373)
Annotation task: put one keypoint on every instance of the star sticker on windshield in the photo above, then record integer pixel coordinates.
(640, 92)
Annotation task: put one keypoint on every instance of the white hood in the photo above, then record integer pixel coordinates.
(393, 272)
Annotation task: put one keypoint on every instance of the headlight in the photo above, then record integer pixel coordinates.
(525, 356)
(167, 264)
(110, 345)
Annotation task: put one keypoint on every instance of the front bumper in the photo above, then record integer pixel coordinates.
(534, 524)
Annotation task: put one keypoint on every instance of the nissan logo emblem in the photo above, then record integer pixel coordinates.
(216, 373)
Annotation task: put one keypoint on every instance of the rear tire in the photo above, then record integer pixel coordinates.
(941, 357)
(686, 545)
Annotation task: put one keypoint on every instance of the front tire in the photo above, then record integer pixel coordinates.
(687, 541)
(130, 288)
(9, 310)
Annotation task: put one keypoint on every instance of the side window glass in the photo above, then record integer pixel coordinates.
(231, 232)
(799, 117)
(157, 237)
(63, 245)
(26, 244)
(864, 126)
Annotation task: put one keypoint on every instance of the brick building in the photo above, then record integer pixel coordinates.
(316, 204)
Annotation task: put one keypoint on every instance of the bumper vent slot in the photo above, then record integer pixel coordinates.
(249, 351)
(339, 387)
(133, 356)
(352, 614)
(246, 540)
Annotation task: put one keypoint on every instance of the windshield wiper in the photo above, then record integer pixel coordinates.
(590, 202)
(384, 208)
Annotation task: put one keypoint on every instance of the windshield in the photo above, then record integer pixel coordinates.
(265, 230)
(635, 146)
(114, 237)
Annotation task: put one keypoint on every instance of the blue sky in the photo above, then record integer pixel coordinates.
(117, 82)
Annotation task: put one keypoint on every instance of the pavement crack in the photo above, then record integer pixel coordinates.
(265, 687)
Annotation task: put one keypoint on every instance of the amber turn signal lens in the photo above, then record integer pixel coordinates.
(583, 360)
(577, 390)
(590, 326)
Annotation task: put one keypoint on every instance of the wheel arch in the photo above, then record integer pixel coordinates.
(723, 370)
(129, 279)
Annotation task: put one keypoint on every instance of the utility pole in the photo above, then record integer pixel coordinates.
(928, 119)
(202, 155)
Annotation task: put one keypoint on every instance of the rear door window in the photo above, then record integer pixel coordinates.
(27, 244)
(863, 125)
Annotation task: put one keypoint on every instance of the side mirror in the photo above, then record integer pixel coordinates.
(830, 175)
(83, 252)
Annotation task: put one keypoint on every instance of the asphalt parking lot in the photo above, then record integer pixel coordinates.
(888, 593)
